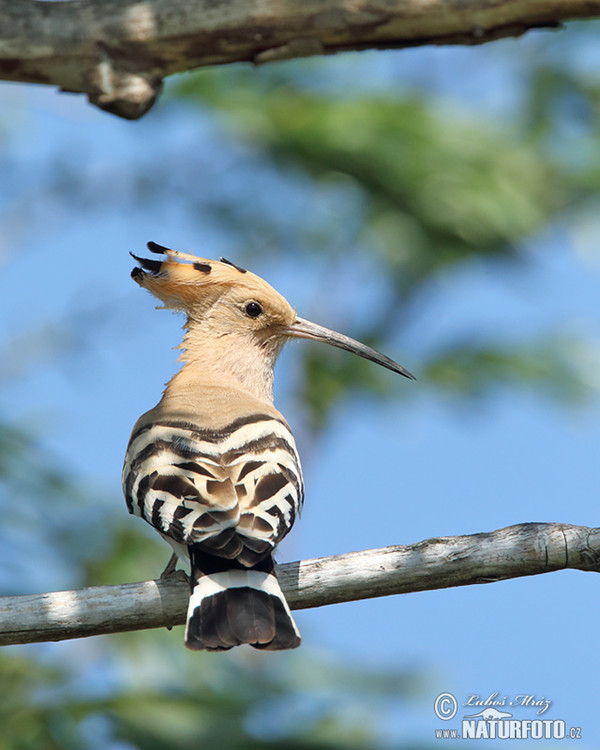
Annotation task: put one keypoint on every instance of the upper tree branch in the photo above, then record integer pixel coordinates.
(119, 51)
(523, 550)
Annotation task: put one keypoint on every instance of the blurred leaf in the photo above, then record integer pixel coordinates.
(31, 715)
(53, 519)
(329, 376)
(426, 174)
(292, 702)
(126, 554)
(552, 368)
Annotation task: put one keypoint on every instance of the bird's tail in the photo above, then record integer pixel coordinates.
(231, 605)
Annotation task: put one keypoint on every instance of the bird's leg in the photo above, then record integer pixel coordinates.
(170, 567)
(170, 570)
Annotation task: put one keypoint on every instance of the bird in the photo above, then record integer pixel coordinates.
(213, 467)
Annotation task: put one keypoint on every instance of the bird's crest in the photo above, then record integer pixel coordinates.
(186, 282)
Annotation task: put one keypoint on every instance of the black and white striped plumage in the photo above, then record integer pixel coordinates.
(228, 496)
(213, 467)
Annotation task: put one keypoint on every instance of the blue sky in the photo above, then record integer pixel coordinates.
(421, 467)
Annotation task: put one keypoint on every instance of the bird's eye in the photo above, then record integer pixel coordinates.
(253, 309)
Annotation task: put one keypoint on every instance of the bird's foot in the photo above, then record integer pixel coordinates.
(170, 572)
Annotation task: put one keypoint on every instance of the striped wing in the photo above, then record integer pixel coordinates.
(268, 484)
(236, 490)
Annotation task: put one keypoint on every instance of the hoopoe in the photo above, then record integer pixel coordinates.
(214, 467)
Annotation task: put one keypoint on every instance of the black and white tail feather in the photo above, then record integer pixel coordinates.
(227, 497)
(231, 605)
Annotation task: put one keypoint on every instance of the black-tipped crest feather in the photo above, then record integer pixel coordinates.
(202, 267)
(229, 263)
(148, 264)
(154, 247)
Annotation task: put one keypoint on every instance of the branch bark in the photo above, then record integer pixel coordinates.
(119, 51)
(522, 550)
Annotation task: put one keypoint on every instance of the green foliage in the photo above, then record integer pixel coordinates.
(435, 187)
(291, 702)
(546, 368)
(33, 714)
(36, 477)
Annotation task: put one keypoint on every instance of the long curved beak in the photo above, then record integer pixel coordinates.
(304, 329)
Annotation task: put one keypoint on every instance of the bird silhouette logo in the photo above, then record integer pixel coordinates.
(490, 714)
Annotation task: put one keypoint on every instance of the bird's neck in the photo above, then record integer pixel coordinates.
(229, 361)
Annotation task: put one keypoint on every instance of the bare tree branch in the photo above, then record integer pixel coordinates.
(522, 550)
(119, 51)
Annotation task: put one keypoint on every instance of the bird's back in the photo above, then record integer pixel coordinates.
(216, 472)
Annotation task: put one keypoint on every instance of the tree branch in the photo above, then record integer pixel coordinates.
(119, 51)
(522, 550)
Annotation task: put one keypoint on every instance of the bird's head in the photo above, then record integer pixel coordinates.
(223, 301)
